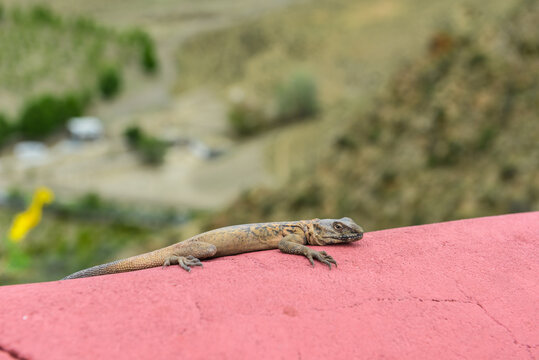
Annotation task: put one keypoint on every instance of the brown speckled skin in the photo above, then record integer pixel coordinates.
(290, 237)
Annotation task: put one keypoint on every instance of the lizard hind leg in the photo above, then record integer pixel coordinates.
(187, 253)
(184, 261)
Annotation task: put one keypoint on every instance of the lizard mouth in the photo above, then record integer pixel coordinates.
(347, 238)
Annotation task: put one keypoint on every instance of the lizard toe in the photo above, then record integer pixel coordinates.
(170, 260)
(193, 261)
(182, 264)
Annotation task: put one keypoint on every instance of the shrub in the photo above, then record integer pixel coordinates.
(149, 149)
(346, 142)
(86, 24)
(148, 57)
(89, 202)
(297, 98)
(152, 150)
(508, 173)
(486, 138)
(16, 198)
(43, 115)
(245, 120)
(133, 135)
(43, 14)
(110, 81)
(5, 129)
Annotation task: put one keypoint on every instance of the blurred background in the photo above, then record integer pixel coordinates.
(145, 124)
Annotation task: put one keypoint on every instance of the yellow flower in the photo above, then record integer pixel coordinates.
(28, 219)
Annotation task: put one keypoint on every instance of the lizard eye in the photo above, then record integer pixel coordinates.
(337, 226)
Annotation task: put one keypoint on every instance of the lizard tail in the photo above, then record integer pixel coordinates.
(139, 262)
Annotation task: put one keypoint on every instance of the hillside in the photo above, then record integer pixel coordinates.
(44, 52)
(453, 135)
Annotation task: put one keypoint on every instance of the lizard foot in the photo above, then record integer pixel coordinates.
(321, 256)
(184, 261)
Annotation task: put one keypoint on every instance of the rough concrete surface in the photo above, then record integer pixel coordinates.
(463, 289)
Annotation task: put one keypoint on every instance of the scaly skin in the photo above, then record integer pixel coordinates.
(290, 237)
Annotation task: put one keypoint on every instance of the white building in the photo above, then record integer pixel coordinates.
(85, 128)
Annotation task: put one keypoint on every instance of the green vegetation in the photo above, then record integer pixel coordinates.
(58, 247)
(148, 58)
(246, 120)
(5, 129)
(453, 135)
(43, 14)
(152, 150)
(92, 207)
(133, 136)
(110, 81)
(43, 115)
(147, 53)
(77, 234)
(149, 149)
(297, 98)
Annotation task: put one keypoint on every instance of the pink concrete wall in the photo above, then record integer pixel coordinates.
(464, 289)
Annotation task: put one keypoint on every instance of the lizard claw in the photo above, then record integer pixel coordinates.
(183, 261)
(321, 256)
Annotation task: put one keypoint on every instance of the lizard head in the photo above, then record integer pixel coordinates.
(335, 231)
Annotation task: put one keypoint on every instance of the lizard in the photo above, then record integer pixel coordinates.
(290, 237)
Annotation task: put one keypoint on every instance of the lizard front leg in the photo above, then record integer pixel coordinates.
(186, 254)
(292, 244)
